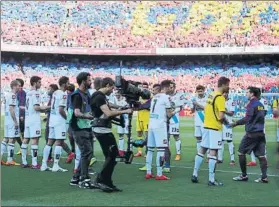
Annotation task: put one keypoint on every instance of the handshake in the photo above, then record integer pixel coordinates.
(231, 125)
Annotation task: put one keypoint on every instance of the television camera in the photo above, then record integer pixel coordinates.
(132, 93)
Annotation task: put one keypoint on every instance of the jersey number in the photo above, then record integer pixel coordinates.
(229, 135)
(53, 103)
(175, 130)
(155, 101)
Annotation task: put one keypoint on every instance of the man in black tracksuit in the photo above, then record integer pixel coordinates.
(254, 139)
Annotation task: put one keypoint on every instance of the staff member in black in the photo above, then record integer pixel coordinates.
(80, 121)
(101, 110)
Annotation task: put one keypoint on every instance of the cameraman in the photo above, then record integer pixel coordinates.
(103, 132)
(80, 122)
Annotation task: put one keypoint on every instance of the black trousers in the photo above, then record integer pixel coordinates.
(110, 150)
(84, 141)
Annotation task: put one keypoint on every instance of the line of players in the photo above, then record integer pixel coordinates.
(58, 126)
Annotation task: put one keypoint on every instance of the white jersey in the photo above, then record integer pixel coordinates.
(11, 100)
(177, 101)
(230, 107)
(158, 113)
(199, 112)
(122, 102)
(33, 98)
(59, 99)
(265, 104)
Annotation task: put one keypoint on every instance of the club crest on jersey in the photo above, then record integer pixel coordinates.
(38, 132)
(13, 97)
(63, 134)
(37, 95)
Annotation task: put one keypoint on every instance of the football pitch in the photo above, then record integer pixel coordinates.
(27, 187)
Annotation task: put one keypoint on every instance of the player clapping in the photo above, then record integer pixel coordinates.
(33, 126)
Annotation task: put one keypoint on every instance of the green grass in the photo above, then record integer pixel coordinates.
(26, 187)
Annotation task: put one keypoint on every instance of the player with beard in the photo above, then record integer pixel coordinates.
(33, 127)
(177, 100)
(79, 118)
(214, 117)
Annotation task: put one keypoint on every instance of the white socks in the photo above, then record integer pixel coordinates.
(121, 143)
(253, 157)
(198, 145)
(149, 157)
(160, 161)
(11, 148)
(3, 148)
(211, 166)
(178, 146)
(34, 153)
(221, 152)
(198, 161)
(231, 150)
(46, 152)
(57, 154)
(24, 153)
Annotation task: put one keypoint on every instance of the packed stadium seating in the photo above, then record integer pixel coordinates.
(141, 24)
(186, 73)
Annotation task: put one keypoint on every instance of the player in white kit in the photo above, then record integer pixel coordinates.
(253, 157)
(160, 112)
(227, 134)
(57, 126)
(11, 125)
(120, 101)
(197, 107)
(177, 101)
(33, 126)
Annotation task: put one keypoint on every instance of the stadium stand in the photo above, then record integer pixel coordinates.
(141, 24)
(187, 73)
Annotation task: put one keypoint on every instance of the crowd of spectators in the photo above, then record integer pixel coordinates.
(141, 24)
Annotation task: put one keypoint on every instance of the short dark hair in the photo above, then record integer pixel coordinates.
(156, 85)
(34, 79)
(63, 80)
(54, 87)
(200, 87)
(145, 83)
(256, 91)
(20, 81)
(82, 77)
(107, 81)
(166, 83)
(222, 81)
(97, 83)
(71, 88)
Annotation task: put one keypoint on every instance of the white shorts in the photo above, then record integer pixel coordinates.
(11, 132)
(198, 131)
(174, 129)
(121, 130)
(33, 131)
(57, 132)
(211, 139)
(227, 134)
(157, 138)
